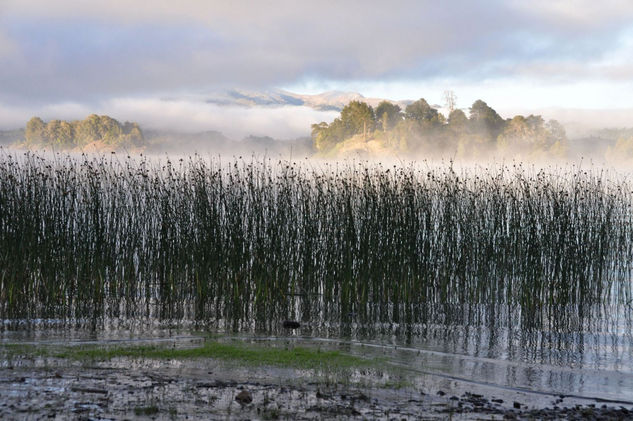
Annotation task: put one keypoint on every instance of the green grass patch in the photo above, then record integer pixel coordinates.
(24, 350)
(257, 355)
(145, 410)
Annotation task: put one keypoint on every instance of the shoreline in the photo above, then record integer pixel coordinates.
(167, 394)
(111, 385)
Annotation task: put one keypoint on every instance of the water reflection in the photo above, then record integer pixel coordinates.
(569, 354)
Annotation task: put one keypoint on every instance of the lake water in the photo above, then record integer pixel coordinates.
(593, 360)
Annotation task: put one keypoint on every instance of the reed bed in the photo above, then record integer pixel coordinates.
(251, 242)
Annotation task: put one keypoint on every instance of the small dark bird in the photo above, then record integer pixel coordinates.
(291, 324)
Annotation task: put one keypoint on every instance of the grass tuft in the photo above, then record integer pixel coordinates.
(244, 354)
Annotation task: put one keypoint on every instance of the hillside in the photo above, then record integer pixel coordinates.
(421, 130)
(326, 101)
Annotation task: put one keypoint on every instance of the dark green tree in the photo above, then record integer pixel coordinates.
(457, 120)
(485, 120)
(358, 117)
(388, 115)
(326, 136)
(421, 112)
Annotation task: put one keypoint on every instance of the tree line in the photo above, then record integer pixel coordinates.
(421, 128)
(70, 134)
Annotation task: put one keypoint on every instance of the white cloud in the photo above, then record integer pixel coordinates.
(92, 52)
(118, 47)
(237, 122)
(181, 115)
(585, 13)
(15, 116)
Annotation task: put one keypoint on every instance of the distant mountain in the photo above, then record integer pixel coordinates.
(327, 101)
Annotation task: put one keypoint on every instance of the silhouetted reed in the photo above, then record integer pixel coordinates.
(254, 242)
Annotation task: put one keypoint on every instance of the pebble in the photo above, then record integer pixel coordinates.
(244, 397)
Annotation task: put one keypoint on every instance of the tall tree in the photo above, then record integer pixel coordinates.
(59, 133)
(485, 119)
(420, 111)
(457, 119)
(78, 133)
(110, 129)
(89, 130)
(388, 115)
(320, 136)
(358, 117)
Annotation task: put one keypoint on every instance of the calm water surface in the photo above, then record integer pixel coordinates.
(587, 358)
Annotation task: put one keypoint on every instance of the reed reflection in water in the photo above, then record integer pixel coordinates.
(348, 249)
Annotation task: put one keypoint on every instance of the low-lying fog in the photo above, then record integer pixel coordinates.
(247, 124)
(182, 116)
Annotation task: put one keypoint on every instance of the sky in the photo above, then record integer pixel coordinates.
(145, 60)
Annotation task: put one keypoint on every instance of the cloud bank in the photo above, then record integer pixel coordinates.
(82, 50)
(129, 52)
(191, 116)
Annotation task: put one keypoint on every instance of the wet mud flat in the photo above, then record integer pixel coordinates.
(124, 388)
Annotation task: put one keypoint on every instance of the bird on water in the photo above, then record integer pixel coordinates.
(291, 324)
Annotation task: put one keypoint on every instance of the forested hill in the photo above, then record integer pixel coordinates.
(95, 132)
(421, 129)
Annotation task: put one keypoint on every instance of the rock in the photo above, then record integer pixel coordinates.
(244, 397)
(291, 324)
(517, 405)
(362, 397)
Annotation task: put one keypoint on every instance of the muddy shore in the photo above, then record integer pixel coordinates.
(123, 388)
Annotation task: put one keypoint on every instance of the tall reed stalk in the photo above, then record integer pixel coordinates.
(251, 242)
